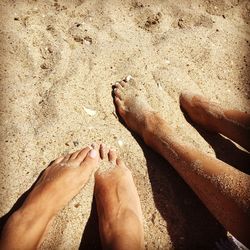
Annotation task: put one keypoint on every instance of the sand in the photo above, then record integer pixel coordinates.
(58, 57)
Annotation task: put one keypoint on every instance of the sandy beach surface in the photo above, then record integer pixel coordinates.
(59, 60)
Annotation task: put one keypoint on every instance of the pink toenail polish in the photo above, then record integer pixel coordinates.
(92, 153)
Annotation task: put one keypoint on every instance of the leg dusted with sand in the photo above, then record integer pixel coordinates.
(59, 183)
(223, 189)
(118, 206)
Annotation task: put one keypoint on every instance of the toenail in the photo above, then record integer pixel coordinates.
(93, 153)
(128, 78)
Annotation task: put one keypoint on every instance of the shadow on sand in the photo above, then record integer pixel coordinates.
(189, 223)
(91, 238)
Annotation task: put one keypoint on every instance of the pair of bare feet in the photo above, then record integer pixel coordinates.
(118, 205)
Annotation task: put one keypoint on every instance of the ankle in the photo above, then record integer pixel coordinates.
(155, 126)
(23, 228)
(125, 232)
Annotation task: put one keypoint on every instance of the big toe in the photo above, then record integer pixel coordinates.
(90, 163)
(186, 98)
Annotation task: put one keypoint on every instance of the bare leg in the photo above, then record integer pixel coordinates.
(59, 183)
(232, 123)
(222, 188)
(118, 206)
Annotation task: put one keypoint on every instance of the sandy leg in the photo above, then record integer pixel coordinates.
(222, 188)
(59, 183)
(118, 206)
(232, 123)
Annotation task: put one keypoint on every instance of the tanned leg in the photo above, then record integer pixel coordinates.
(223, 189)
(232, 123)
(59, 183)
(118, 206)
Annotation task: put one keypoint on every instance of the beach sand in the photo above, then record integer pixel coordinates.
(59, 60)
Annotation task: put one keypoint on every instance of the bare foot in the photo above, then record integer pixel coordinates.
(132, 105)
(58, 184)
(232, 123)
(140, 116)
(201, 110)
(118, 206)
(63, 179)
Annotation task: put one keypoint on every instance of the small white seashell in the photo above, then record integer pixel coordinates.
(128, 78)
(167, 62)
(87, 42)
(120, 142)
(90, 112)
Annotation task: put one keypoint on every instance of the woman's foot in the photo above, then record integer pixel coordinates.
(118, 205)
(132, 105)
(139, 115)
(62, 180)
(58, 184)
(201, 110)
(232, 123)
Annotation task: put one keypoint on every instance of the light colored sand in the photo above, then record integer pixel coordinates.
(60, 56)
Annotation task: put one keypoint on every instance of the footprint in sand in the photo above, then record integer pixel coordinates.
(219, 8)
(146, 18)
(188, 20)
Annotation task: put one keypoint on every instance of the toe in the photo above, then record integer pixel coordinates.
(66, 158)
(74, 155)
(57, 161)
(82, 155)
(123, 83)
(119, 85)
(191, 101)
(118, 93)
(112, 155)
(119, 106)
(186, 96)
(91, 160)
(103, 150)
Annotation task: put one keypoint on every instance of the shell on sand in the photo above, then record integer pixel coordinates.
(90, 112)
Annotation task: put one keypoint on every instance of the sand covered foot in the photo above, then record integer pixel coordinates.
(118, 205)
(234, 124)
(132, 105)
(58, 184)
(201, 110)
(63, 179)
